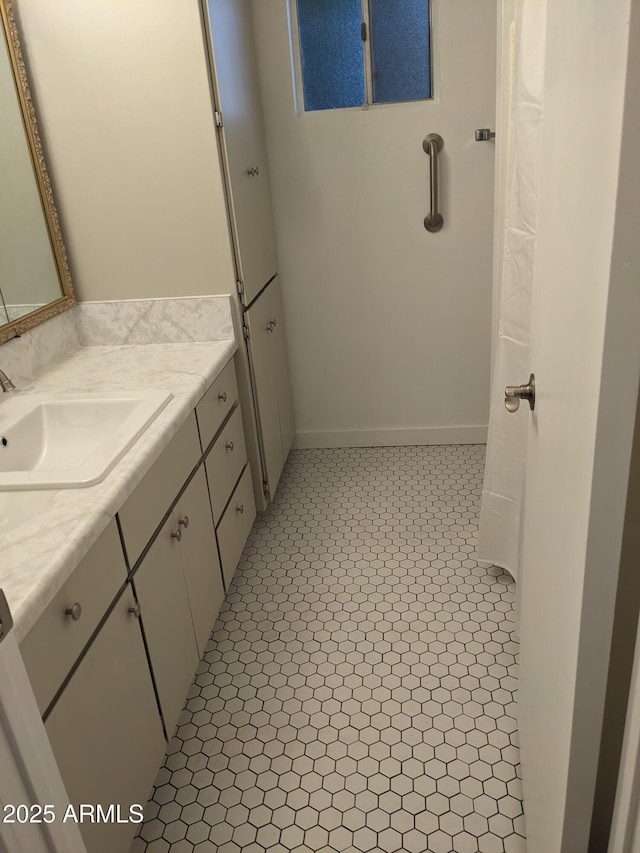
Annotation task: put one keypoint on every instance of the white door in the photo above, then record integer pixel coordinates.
(586, 357)
(245, 163)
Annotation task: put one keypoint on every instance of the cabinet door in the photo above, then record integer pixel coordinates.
(166, 619)
(199, 554)
(55, 642)
(238, 97)
(269, 364)
(105, 729)
(235, 525)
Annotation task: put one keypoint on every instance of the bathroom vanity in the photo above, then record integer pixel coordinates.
(115, 588)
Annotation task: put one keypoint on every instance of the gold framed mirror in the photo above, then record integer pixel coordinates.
(35, 282)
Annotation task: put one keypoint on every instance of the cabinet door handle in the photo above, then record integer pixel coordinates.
(222, 396)
(177, 535)
(136, 610)
(184, 522)
(240, 508)
(75, 611)
(271, 325)
(229, 445)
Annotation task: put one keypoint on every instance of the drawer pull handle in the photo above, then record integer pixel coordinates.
(177, 535)
(240, 508)
(75, 611)
(229, 445)
(222, 396)
(136, 610)
(184, 522)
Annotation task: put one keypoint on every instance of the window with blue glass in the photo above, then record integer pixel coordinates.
(360, 52)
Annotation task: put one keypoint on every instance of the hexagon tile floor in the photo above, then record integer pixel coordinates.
(357, 694)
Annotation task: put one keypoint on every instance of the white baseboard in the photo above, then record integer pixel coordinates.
(391, 437)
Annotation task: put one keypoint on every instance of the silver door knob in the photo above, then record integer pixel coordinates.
(514, 393)
(75, 611)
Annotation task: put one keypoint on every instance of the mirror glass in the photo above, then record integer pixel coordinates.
(34, 275)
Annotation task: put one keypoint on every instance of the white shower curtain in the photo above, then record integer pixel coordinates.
(518, 175)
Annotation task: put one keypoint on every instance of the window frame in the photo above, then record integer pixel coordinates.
(296, 64)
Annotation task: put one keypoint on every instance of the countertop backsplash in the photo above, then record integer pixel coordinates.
(155, 321)
(130, 322)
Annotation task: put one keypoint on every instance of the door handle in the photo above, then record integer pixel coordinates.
(433, 144)
(514, 393)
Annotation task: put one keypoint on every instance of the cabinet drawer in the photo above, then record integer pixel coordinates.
(235, 525)
(216, 404)
(54, 643)
(147, 506)
(225, 463)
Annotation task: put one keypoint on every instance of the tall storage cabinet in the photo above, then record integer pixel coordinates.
(238, 112)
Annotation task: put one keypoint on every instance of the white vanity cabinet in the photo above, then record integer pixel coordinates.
(123, 637)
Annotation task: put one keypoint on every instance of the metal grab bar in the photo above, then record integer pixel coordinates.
(433, 144)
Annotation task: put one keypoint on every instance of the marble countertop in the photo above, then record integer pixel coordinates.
(39, 554)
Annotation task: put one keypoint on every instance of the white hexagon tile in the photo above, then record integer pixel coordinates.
(357, 693)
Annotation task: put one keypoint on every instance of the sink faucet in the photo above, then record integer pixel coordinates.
(5, 383)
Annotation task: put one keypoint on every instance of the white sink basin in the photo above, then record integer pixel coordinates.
(66, 440)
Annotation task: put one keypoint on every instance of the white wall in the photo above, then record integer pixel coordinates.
(388, 326)
(123, 99)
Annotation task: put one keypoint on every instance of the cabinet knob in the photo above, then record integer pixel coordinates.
(229, 445)
(177, 535)
(136, 610)
(222, 396)
(75, 611)
(240, 508)
(184, 522)
(271, 325)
